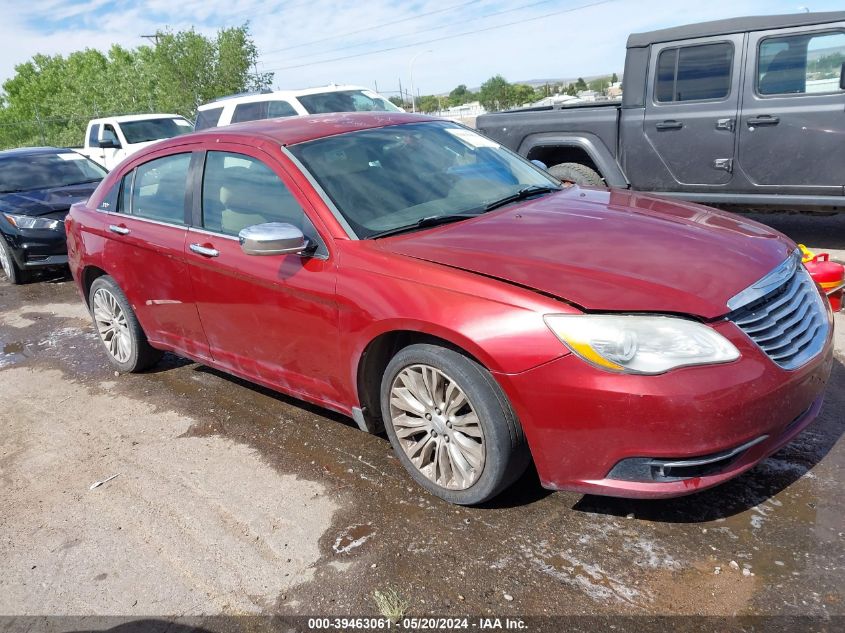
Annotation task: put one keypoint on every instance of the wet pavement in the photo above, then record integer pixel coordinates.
(770, 542)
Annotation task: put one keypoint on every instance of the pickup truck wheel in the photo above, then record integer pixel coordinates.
(118, 327)
(577, 173)
(451, 425)
(10, 267)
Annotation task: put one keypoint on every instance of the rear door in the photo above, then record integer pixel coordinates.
(792, 131)
(270, 318)
(691, 112)
(145, 251)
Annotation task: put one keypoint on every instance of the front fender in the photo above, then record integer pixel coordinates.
(591, 144)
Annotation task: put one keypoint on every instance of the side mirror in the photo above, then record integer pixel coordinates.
(109, 142)
(272, 238)
(540, 164)
(842, 77)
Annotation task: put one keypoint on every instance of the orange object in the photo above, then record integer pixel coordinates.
(829, 275)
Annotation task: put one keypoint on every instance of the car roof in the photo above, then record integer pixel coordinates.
(136, 117)
(277, 95)
(32, 151)
(733, 25)
(293, 130)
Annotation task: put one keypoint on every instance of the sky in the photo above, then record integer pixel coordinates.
(378, 43)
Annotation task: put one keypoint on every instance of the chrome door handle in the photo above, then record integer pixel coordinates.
(120, 230)
(204, 250)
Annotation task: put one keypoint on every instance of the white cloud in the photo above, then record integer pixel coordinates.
(585, 42)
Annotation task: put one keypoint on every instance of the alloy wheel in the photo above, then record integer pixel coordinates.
(437, 427)
(112, 325)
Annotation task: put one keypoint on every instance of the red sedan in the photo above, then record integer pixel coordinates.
(411, 273)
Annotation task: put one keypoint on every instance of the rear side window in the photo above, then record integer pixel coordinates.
(207, 118)
(250, 111)
(239, 191)
(694, 73)
(801, 64)
(158, 189)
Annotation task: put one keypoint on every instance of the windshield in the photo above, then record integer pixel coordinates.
(154, 129)
(385, 178)
(46, 171)
(346, 101)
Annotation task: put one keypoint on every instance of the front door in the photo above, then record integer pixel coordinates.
(690, 116)
(145, 247)
(269, 318)
(792, 130)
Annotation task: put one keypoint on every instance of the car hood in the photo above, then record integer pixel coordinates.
(609, 251)
(45, 201)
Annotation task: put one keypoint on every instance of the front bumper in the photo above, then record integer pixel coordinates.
(582, 423)
(37, 248)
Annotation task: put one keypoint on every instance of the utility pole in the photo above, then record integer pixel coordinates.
(401, 94)
(152, 38)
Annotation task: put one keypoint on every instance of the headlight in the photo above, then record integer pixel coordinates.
(640, 344)
(32, 222)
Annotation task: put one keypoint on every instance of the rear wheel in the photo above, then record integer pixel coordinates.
(10, 267)
(451, 425)
(118, 327)
(577, 173)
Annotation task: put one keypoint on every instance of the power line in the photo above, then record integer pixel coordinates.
(440, 39)
(426, 30)
(375, 26)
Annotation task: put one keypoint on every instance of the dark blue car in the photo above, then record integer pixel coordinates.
(37, 187)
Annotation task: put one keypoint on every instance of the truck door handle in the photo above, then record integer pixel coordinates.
(204, 250)
(120, 230)
(669, 125)
(764, 119)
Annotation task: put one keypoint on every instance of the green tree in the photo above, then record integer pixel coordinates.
(50, 98)
(428, 104)
(461, 95)
(580, 84)
(522, 94)
(614, 78)
(495, 94)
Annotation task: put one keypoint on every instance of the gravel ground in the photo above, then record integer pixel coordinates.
(231, 499)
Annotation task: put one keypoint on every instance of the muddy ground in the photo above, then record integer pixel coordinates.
(231, 499)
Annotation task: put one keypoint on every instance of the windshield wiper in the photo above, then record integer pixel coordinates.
(429, 220)
(522, 194)
(81, 182)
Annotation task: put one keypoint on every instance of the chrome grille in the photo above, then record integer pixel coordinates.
(789, 323)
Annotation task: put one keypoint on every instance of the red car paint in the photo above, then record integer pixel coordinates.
(303, 325)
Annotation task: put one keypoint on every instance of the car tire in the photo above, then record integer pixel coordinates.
(462, 459)
(118, 328)
(579, 174)
(10, 267)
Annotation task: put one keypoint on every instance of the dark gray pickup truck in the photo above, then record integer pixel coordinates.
(744, 112)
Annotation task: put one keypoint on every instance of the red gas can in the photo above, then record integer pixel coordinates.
(829, 275)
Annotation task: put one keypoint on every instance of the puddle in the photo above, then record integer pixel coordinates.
(353, 537)
(12, 353)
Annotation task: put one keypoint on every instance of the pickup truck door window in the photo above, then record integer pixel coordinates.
(794, 102)
(145, 248)
(694, 104)
(271, 317)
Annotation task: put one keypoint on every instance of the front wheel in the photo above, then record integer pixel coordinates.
(118, 327)
(451, 425)
(579, 174)
(10, 267)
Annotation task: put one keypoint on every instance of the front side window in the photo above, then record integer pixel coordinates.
(801, 64)
(239, 191)
(694, 73)
(385, 178)
(159, 188)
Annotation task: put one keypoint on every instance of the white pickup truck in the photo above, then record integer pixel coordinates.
(108, 141)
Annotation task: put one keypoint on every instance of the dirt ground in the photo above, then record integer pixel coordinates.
(230, 499)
